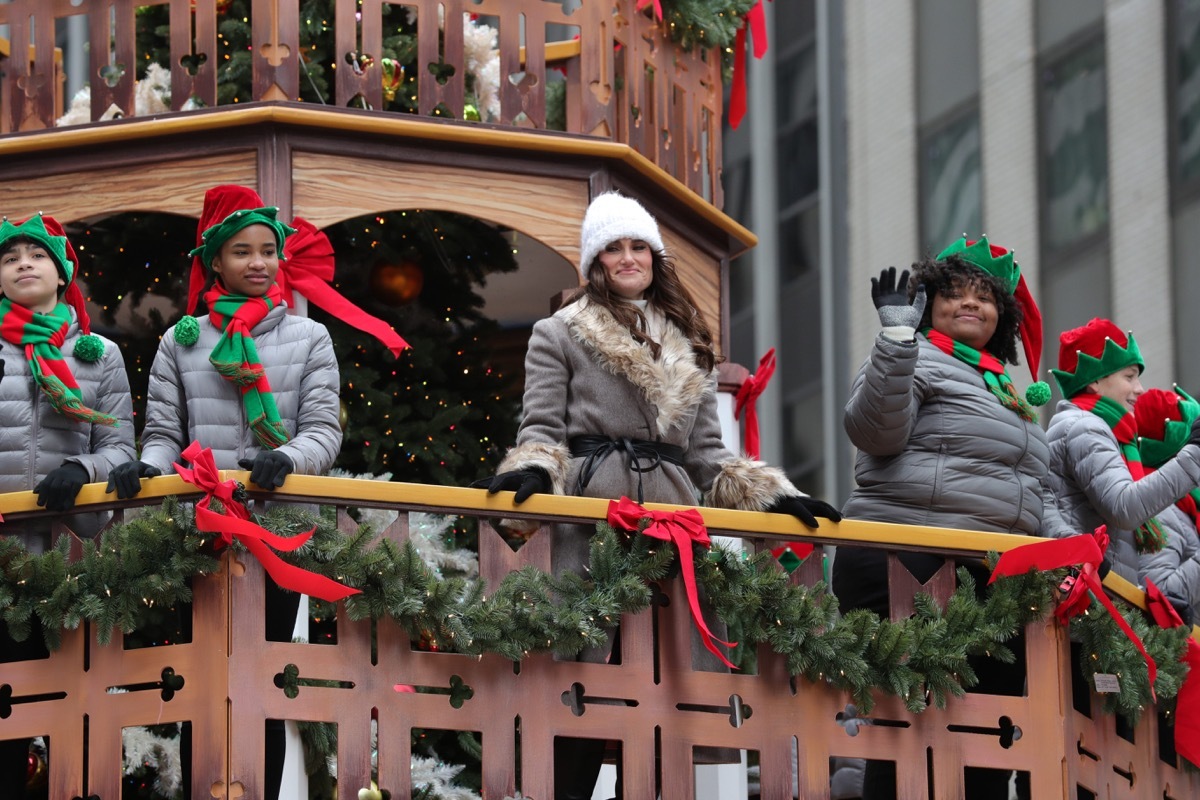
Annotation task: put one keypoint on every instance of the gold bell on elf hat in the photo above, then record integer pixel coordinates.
(1000, 263)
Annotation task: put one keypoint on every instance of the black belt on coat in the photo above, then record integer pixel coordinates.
(594, 449)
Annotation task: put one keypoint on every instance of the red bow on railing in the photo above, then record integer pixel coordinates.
(756, 21)
(682, 528)
(1084, 551)
(235, 523)
(309, 271)
(747, 399)
(1187, 702)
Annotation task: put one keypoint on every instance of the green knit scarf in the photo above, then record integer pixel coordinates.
(1149, 536)
(995, 377)
(236, 357)
(42, 336)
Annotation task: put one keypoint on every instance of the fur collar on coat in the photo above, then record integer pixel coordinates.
(673, 383)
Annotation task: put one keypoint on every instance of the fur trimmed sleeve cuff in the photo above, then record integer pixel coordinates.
(554, 458)
(748, 485)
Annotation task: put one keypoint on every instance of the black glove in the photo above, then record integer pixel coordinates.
(125, 478)
(525, 482)
(891, 300)
(805, 509)
(1104, 568)
(58, 490)
(1183, 610)
(268, 469)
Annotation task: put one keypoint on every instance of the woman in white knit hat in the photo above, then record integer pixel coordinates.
(620, 400)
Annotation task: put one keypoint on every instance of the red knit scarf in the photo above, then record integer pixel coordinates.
(236, 358)
(1149, 536)
(42, 336)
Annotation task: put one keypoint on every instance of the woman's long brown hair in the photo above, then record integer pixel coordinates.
(666, 293)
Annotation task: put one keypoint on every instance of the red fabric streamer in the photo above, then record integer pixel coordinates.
(657, 7)
(1187, 703)
(1084, 551)
(756, 21)
(747, 399)
(681, 528)
(309, 271)
(235, 523)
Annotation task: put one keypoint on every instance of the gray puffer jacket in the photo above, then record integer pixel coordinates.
(936, 448)
(188, 400)
(35, 439)
(1094, 486)
(1176, 568)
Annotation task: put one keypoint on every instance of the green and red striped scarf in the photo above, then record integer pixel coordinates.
(995, 377)
(236, 358)
(42, 336)
(1149, 536)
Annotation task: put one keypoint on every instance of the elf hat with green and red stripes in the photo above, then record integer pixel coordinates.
(1164, 421)
(48, 233)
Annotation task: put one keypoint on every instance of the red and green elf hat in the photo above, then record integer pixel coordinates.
(999, 262)
(1164, 421)
(227, 210)
(309, 271)
(1088, 353)
(48, 233)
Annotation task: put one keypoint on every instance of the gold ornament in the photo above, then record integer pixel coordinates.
(397, 284)
(343, 415)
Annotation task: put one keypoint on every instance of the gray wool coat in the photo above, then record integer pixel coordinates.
(188, 400)
(35, 439)
(1094, 486)
(1176, 568)
(585, 374)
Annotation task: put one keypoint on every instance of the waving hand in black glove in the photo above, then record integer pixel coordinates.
(125, 478)
(525, 482)
(269, 468)
(805, 509)
(898, 317)
(58, 490)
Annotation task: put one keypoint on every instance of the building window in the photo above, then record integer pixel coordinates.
(1074, 147)
(951, 182)
(1184, 43)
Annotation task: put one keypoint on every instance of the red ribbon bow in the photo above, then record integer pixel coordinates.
(235, 523)
(756, 21)
(1085, 551)
(682, 528)
(309, 271)
(1187, 702)
(747, 397)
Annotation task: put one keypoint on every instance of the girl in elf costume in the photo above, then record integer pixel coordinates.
(65, 404)
(945, 440)
(1164, 422)
(1095, 467)
(255, 384)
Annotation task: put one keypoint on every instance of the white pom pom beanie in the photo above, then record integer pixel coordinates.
(612, 216)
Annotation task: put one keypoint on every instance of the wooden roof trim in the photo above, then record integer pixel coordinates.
(394, 126)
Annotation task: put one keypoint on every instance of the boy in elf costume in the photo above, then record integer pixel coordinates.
(1095, 466)
(1164, 421)
(65, 409)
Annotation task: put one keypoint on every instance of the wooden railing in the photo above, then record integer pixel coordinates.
(625, 81)
(653, 703)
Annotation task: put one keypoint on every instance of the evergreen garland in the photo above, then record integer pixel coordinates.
(147, 561)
